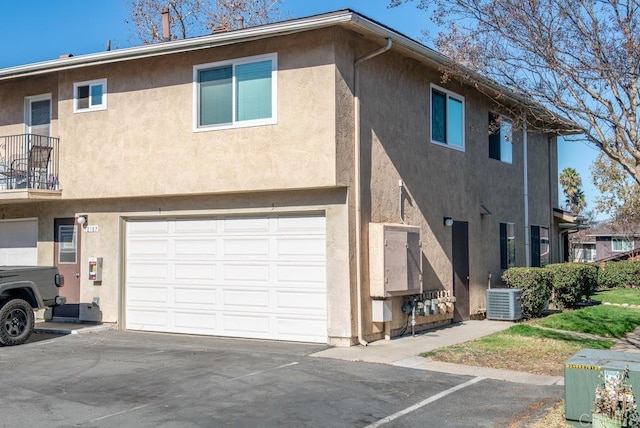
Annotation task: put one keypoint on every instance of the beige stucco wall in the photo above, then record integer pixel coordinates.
(439, 181)
(144, 143)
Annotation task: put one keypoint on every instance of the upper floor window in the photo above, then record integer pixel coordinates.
(507, 245)
(235, 93)
(622, 244)
(500, 138)
(447, 118)
(91, 95)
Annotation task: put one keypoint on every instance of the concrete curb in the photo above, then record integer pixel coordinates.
(489, 373)
(61, 328)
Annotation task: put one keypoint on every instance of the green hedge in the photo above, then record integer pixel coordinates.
(536, 286)
(619, 274)
(572, 283)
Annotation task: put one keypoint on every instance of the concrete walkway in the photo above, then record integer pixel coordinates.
(404, 352)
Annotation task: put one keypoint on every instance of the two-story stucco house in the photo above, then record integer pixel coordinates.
(296, 181)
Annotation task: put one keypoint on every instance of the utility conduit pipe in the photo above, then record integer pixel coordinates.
(358, 181)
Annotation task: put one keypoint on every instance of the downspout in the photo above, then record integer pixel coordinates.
(527, 235)
(358, 181)
(552, 228)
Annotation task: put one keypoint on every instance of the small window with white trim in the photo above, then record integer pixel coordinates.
(622, 244)
(90, 95)
(447, 118)
(235, 93)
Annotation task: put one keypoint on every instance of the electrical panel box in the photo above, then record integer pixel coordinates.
(395, 260)
(95, 269)
(381, 310)
(582, 374)
(504, 304)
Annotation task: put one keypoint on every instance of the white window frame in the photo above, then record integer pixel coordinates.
(622, 240)
(449, 94)
(73, 248)
(273, 57)
(90, 84)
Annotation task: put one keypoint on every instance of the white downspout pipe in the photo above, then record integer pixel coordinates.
(527, 235)
(557, 258)
(358, 181)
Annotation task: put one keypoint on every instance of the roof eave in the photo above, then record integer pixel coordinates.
(177, 46)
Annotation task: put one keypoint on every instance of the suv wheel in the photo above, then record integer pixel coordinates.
(16, 322)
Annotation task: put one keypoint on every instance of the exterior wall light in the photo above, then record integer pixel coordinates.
(448, 221)
(82, 220)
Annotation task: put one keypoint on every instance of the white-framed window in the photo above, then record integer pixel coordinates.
(500, 138)
(622, 244)
(447, 118)
(90, 95)
(68, 244)
(236, 93)
(586, 253)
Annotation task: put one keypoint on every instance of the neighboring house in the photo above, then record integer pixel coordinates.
(229, 184)
(584, 250)
(604, 243)
(574, 245)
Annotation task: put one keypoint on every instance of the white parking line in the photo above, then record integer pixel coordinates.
(424, 402)
(119, 413)
(259, 372)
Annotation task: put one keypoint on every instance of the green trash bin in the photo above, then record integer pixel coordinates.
(582, 376)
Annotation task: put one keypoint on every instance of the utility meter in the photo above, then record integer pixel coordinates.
(95, 269)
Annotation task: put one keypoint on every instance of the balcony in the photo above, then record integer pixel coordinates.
(28, 167)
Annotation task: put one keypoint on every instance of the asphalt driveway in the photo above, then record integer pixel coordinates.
(127, 379)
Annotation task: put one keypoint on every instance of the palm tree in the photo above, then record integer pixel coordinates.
(571, 182)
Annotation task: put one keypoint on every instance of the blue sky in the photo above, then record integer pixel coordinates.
(40, 30)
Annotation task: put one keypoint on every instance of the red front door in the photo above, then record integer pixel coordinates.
(67, 259)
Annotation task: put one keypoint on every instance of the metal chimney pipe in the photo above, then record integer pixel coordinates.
(240, 20)
(166, 30)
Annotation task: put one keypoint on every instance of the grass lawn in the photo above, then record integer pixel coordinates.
(521, 347)
(619, 296)
(524, 347)
(603, 320)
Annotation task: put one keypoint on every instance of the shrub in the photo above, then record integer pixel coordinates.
(535, 284)
(619, 274)
(572, 283)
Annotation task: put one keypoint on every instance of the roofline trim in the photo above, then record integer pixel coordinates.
(178, 46)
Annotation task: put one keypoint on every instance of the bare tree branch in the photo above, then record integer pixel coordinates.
(190, 18)
(578, 58)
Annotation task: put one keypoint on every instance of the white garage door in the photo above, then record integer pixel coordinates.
(19, 242)
(242, 277)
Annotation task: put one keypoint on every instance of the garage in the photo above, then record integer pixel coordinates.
(19, 242)
(251, 277)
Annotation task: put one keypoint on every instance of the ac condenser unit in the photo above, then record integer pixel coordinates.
(504, 304)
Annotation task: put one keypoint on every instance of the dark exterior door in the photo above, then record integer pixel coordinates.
(460, 262)
(67, 258)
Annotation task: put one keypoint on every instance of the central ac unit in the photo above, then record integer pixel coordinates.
(504, 304)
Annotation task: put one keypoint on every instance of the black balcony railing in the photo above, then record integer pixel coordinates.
(28, 161)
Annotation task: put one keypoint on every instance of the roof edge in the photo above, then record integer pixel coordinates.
(183, 45)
